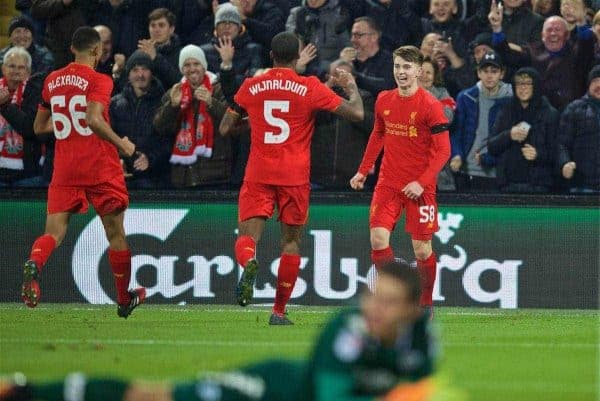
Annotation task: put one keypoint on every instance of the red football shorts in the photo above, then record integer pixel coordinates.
(259, 200)
(106, 198)
(421, 215)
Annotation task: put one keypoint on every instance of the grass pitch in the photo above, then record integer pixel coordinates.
(504, 355)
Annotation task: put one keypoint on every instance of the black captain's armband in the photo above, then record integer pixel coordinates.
(436, 129)
(46, 105)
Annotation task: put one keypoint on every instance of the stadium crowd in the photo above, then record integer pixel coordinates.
(520, 81)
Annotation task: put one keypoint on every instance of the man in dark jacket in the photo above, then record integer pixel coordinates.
(563, 67)
(372, 64)
(338, 144)
(263, 19)
(63, 17)
(523, 137)
(131, 114)
(579, 139)
(245, 57)
(20, 33)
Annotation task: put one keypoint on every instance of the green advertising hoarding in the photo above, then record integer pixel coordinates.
(538, 257)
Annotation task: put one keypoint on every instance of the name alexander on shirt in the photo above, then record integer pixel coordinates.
(68, 80)
(278, 84)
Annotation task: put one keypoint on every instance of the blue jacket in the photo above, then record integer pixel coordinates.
(464, 126)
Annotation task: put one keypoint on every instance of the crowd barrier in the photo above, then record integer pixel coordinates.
(493, 250)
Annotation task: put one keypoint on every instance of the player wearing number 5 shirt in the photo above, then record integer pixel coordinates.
(281, 107)
(411, 128)
(87, 169)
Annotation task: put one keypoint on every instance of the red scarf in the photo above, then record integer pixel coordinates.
(188, 144)
(11, 142)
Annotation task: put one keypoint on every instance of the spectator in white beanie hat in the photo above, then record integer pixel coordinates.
(192, 51)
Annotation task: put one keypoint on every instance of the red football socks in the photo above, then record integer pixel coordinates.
(289, 266)
(427, 270)
(41, 250)
(120, 264)
(380, 257)
(245, 249)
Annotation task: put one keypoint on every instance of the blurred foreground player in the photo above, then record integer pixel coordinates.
(87, 169)
(382, 351)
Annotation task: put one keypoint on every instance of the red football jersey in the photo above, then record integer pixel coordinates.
(81, 157)
(281, 107)
(413, 131)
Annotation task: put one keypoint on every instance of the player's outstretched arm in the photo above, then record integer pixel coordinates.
(351, 109)
(43, 122)
(229, 120)
(95, 120)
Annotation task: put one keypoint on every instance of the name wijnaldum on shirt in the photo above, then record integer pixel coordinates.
(278, 84)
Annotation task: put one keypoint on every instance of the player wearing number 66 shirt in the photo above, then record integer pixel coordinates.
(281, 107)
(411, 128)
(87, 169)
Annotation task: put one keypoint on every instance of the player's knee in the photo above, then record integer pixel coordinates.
(291, 247)
(379, 241)
(422, 251)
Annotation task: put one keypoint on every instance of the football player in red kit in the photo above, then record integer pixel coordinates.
(87, 168)
(411, 128)
(281, 106)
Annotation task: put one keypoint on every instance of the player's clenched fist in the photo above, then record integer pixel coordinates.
(358, 181)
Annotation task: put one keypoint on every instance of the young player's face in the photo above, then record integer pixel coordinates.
(15, 70)
(228, 29)
(140, 78)
(406, 73)
(554, 34)
(594, 88)
(388, 308)
(21, 37)
(442, 10)
(193, 71)
(490, 77)
(427, 75)
(160, 30)
(524, 88)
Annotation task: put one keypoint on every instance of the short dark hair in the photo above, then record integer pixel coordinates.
(409, 53)
(85, 38)
(401, 271)
(285, 47)
(373, 25)
(162, 12)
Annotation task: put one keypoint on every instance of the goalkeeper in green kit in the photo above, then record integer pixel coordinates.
(383, 351)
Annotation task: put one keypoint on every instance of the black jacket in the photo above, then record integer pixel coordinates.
(375, 73)
(248, 57)
(511, 165)
(132, 117)
(579, 141)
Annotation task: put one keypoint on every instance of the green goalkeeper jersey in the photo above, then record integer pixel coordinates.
(347, 364)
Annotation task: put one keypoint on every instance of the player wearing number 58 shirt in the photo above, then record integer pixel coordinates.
(87, 169)
(281, 107)
(411, 128)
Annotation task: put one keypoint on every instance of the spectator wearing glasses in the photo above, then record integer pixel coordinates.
(372, 64)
